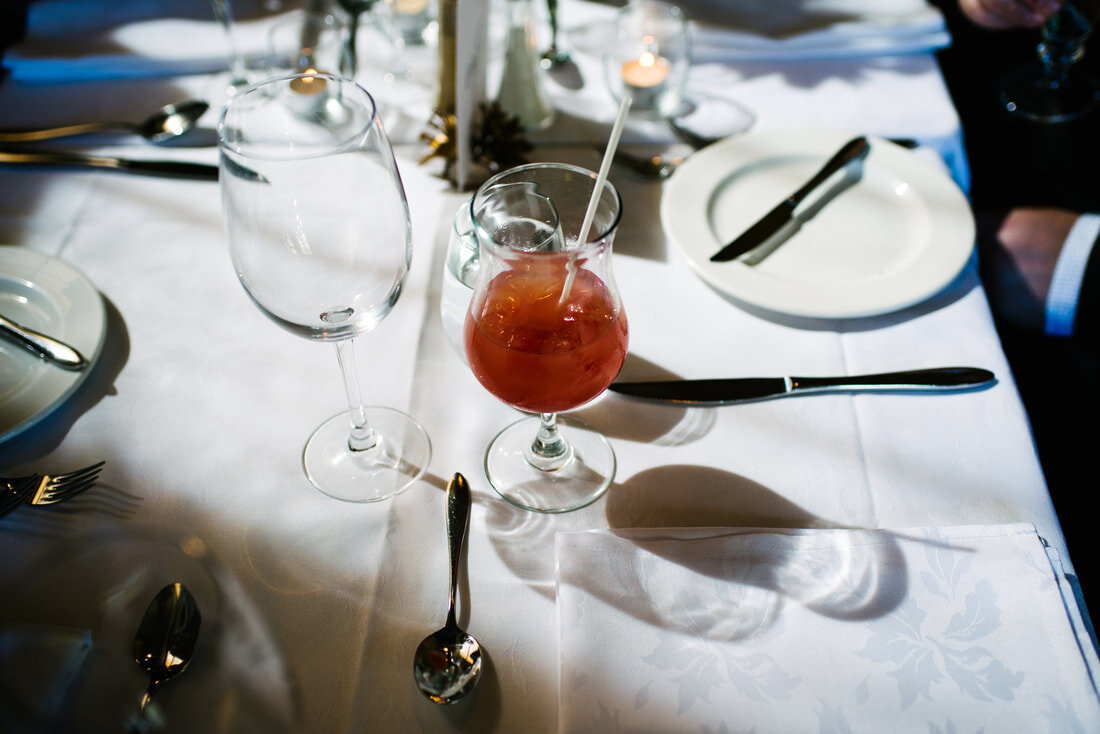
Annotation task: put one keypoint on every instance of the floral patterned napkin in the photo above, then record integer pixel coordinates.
(734, 630)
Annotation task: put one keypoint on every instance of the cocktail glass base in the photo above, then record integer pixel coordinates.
(580, 481)
(399, 457)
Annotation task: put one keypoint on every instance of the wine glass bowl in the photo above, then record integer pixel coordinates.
(320, 236)
(546, 331)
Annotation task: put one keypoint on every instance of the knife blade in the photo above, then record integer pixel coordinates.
(774, 220)
(170, 169)
(750, 389)
(46, 347)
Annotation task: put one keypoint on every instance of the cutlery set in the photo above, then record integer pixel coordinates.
(167, 123)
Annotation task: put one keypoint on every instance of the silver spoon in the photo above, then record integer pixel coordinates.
(168, 122)
(165, 639)
(447, 664)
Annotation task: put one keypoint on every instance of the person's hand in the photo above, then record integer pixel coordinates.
(1018, 252)
(1001, 14)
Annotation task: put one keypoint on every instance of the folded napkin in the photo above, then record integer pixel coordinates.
(74, 40)
(925, 630)
(795, 29)
(777, 30)
(39, 664)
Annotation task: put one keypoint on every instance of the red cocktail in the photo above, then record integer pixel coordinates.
(546, 331)
(538, 354)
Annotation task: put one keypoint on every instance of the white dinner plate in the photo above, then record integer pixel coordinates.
(50, 296)
(896, 236)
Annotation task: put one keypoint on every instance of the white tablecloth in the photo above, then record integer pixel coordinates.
(200, 406)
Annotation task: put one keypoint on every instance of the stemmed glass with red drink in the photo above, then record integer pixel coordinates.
(546, 331)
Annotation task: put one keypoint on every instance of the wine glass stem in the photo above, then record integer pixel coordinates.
(361, 436)
(223, 9)
(549, 451)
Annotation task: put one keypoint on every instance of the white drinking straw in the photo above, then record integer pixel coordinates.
(601, 179)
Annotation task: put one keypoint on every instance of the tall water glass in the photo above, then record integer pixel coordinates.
(546, 331)
(320, 236)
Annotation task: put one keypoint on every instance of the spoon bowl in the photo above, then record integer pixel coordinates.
(172, 120)
(165, 640)
(165, 124)
(447, 664)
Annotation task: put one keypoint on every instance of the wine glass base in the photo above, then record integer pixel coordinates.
(1031, 96)
(398, 459)
(580, 481)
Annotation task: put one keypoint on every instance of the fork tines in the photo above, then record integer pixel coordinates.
(61, 487)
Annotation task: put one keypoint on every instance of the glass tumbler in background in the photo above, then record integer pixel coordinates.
(320, 236)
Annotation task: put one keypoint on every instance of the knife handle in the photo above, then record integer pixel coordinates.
(940, 378)
(854, 148)
(43, 346)
(169, 169)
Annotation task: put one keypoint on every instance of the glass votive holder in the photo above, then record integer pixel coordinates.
(409, 21)
(303, 40)
(649, 56)
(459, 276)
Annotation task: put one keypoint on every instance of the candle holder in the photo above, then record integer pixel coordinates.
(303, 40)
(409, 21)
(649, 57)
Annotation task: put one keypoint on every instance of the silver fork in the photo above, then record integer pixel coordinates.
(15, 492)
(47, 489)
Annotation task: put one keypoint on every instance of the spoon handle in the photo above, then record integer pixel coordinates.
(64, 131)
(458, 514)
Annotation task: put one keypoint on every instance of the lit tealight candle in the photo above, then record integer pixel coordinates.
(308, 84)
(410, 7)
(646, 78)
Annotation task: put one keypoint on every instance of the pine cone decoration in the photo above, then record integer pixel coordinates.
(496, 143)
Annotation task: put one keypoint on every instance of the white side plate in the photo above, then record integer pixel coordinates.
(53, 297)
(895, 237)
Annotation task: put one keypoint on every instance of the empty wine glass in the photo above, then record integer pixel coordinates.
(546, 331)
(1056, 90)
(320, 236)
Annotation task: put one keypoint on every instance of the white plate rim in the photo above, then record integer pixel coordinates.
(686, 221)
(82, 322)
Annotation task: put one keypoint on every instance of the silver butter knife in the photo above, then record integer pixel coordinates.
(749, 389)
(774, 220)
(46, 347)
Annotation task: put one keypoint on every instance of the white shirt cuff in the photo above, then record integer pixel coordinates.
(1069, 271)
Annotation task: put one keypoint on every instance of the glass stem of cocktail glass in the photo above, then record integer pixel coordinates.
(361, 436)
(550, 451)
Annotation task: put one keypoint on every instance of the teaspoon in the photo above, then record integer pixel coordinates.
(447, 664)
(168, 122)
(165, 639)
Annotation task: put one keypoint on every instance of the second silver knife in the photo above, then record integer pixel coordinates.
(748, 389)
